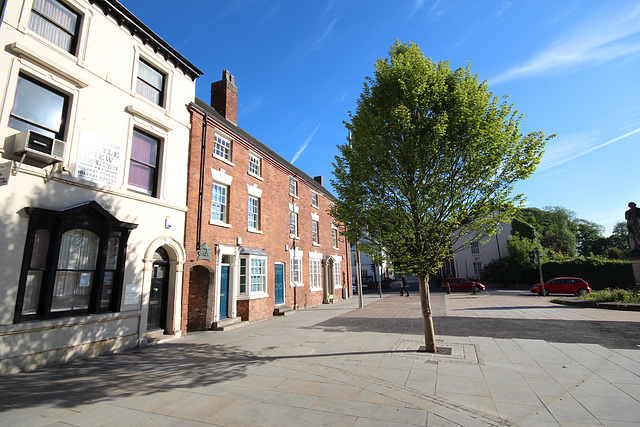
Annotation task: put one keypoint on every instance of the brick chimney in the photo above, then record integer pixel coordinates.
(224, 97)
(318, 179)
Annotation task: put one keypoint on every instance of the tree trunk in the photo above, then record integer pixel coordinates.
(427, 320)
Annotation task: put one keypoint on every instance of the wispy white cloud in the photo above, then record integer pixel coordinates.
(323, 37)
(503, 7)
(602, 38)
(305, 144)
(418, 5)
(252, 104)
(597, 147)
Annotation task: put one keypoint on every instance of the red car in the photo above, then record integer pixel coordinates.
(460, 284)
(563, 285)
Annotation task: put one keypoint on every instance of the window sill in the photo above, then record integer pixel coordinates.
(297, 285)
(256, 295)
(65, 322)
(219, 223)
(222, 159)
(336, 249)
(137, 112)
(316, 290)
(255, 176)
(25, 52)
(255, 230)
(293, 236)
(315, 244)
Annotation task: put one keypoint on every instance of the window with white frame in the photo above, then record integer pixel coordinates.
(222, 148)
(475, 248)
(296, 268)
(143, 163)
(293, 224)
(315, 279)
(150, 82)
(334, 237)
(258, 274)
(39, 107)
(219, 197)
(314, 200)
(293, 187)
(337, 282)
(56, 22)
(254, 213)
(253, 275)
(314, 232)
(255, 165)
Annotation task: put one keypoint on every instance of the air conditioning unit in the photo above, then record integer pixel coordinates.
(39, 147)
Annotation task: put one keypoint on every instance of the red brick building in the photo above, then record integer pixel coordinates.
(259, 239)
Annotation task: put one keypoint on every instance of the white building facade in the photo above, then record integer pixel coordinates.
(94, 135)
(469, 261)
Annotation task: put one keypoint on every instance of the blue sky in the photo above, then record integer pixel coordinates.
(571, 67)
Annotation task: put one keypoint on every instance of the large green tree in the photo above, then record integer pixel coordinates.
(431, 158)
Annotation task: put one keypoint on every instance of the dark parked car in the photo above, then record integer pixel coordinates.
(563, 285)
(460, 284)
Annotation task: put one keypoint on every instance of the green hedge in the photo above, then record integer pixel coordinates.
(600, 274)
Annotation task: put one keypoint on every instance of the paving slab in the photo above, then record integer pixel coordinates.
(311, 367)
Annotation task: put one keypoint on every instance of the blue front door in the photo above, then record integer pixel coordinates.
(224, 291)
(279, 284)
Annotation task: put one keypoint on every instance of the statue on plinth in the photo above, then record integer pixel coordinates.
(633, 227)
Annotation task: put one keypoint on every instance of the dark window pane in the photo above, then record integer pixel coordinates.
(38, 107)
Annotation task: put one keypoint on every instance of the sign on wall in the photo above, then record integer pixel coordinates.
(98, 159)
(5, 172)
(132, 293)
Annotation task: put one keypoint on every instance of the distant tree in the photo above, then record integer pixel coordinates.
(555, 228)
(432, 156)
(588, 236)
(620, 237)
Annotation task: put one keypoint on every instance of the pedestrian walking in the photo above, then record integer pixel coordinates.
(404, 286)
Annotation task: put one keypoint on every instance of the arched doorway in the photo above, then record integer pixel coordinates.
(329, 280)
(198, 299)
(157, 318)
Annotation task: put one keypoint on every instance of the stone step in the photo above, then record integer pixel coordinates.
(226, 324)
(283, 310)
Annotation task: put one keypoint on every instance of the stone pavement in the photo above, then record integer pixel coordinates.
(291, 371)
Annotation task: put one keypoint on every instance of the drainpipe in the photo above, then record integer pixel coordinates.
(203, 152)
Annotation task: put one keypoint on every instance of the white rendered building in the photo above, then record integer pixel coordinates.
(94, 135)
(468, 262)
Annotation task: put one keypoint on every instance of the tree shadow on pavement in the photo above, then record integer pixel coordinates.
(139, 371)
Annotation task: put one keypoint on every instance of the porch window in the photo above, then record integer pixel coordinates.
(81, 271)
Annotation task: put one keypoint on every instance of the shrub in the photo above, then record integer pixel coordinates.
(614, 295)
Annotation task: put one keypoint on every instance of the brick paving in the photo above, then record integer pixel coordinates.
(505, 304)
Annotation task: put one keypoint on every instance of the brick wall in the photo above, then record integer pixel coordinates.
(274, 218)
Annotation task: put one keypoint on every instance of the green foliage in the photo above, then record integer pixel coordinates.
(589, 235)
(599, 273)
(432, 154)
(555, 227)
(522, 229)
(509, 273)
(615, 253)
(614, 295)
